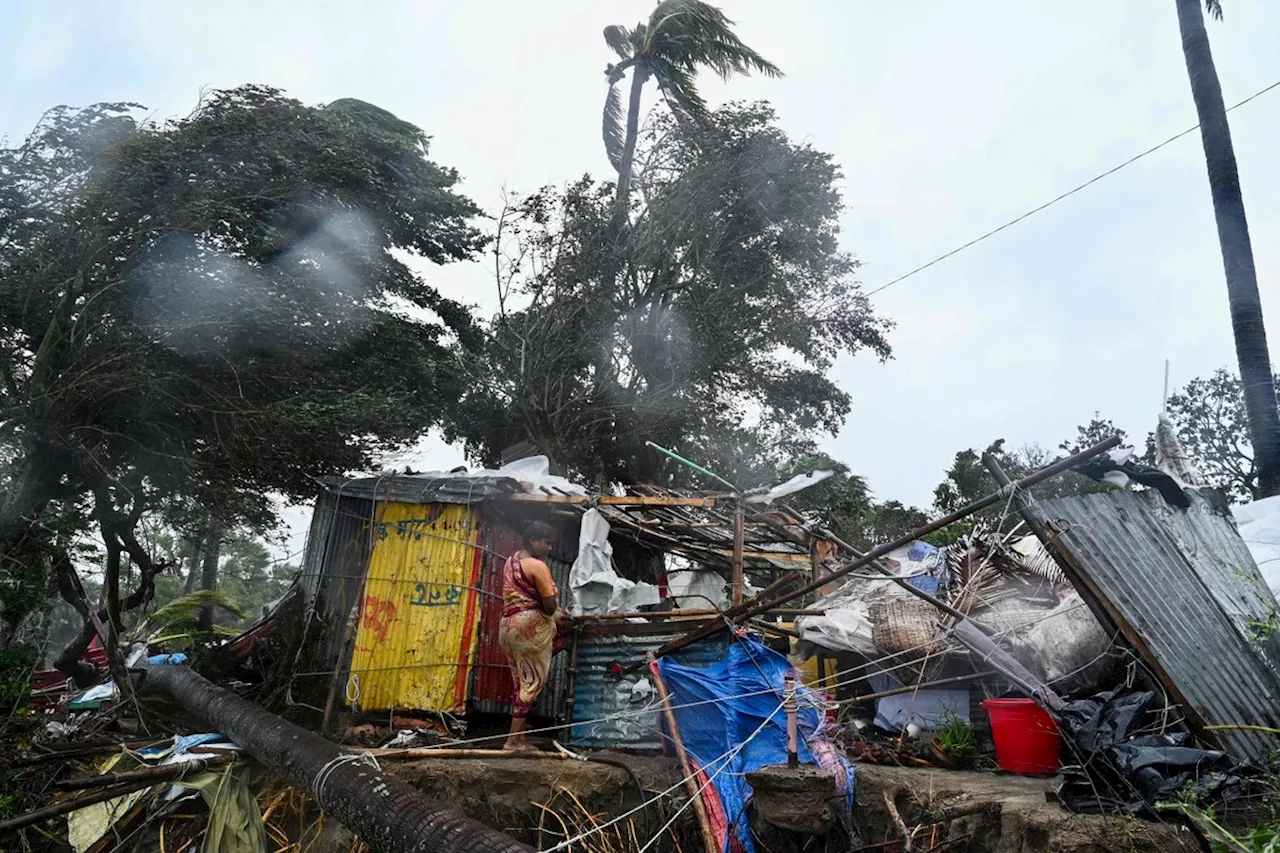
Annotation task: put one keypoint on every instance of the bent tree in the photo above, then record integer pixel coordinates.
(196, 313)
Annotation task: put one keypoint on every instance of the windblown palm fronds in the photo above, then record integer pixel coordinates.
(680, 38)
(179, 618)
(982, 561)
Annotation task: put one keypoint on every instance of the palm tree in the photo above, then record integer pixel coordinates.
(680, 37)
(1233, 237)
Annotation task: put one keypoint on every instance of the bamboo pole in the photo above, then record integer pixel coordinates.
(72, 804)
(571, 699)
(419, 753)
(167, 771)
(694, 613)
(686, 767)
(87, 751)
(884, 694)
(762, 602)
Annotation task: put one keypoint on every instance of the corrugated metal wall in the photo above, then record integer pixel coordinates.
(1184, 582)
(492, 688)
(601, 696)
(338, 545)
(416, 635)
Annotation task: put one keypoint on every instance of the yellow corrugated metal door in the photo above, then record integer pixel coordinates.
(416, 636)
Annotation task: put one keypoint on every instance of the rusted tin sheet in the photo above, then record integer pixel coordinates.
(1186, 593)
(492, 687)
(609, 711)
(336, 555)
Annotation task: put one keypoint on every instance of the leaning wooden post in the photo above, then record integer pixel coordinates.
(686, 767)
(738, 547)
(1066, 561)
(790, 705)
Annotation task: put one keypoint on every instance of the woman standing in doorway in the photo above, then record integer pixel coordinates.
(532, 628)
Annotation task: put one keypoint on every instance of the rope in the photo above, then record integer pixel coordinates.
(723, 760)
(325, 772)
(710, 779)
(841, 681)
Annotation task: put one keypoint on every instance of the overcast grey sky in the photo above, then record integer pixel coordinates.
(948, 118)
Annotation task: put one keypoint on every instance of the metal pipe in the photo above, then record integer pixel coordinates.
(875, 554)
(712, 626)
(384, 811)
(1064, 558)
(694, 465)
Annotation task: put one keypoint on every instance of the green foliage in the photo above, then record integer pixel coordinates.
(17, 662)
(196, 313)
(177, 620)
(844, 504)
(681, 38)
(1211, 422)
(955, 738)
(706, 325)
(1264, 837)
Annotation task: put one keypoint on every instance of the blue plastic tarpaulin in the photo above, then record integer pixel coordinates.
(732, 722)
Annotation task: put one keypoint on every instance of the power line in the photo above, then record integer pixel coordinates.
(1066, 194)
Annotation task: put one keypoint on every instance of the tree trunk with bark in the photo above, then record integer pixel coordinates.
(209, 574)
(383, 811)
(639, 74)
(1237, 252)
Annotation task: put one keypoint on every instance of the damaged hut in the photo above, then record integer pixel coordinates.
(404, 573)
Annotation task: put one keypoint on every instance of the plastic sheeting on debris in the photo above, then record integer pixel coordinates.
(1120, 771)
(928, 708)
(597, 587)
(1259, 526)
(846, 626)
(697, 588)
(738, 726)
(235, 821)
(797, 483)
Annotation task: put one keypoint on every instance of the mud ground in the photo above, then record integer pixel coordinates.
(537, 800)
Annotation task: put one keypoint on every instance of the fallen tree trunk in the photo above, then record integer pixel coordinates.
(385, 812)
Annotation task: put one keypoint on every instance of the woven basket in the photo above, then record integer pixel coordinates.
(906, 627)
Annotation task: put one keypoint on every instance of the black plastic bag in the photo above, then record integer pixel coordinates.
(1114, 770)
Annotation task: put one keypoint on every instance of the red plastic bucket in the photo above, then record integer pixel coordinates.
(1027, 739)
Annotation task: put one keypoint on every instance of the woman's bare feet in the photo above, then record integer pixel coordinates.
(518, 745)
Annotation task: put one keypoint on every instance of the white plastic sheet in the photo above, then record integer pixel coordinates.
(597, 587)
(846, 625)
(697, 588)
(1259, 526)
(790, 487)
(927, 708)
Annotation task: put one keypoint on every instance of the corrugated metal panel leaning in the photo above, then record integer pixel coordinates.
(627, 721)
(337, 554)
(1185, 584)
